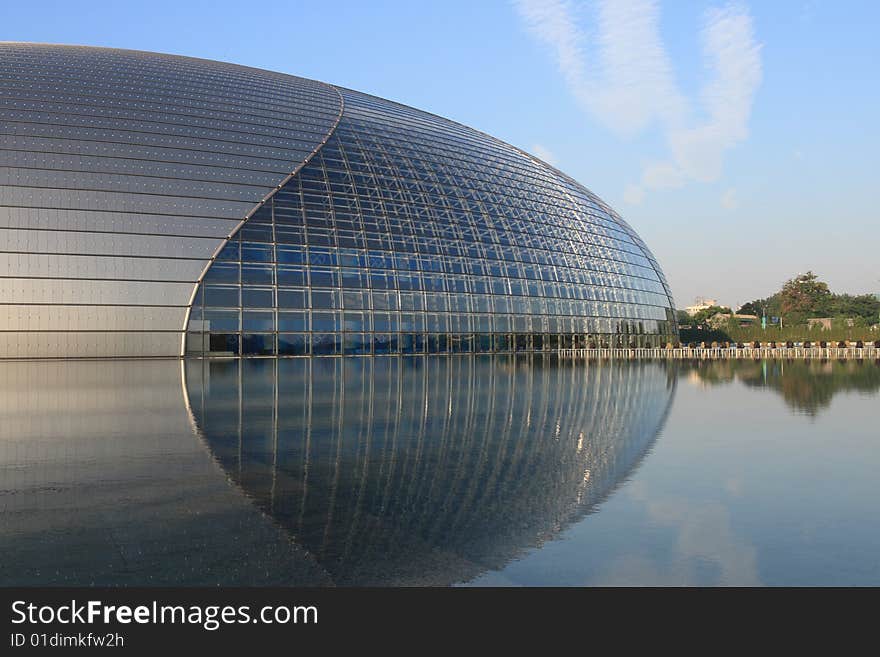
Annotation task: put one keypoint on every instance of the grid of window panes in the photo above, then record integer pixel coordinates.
(408, 233)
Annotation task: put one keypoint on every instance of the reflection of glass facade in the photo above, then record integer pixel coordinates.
(402, 471)
(358, 225)
(105, 484)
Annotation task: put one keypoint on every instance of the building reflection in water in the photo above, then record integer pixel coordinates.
(103, 482)
(395, 471)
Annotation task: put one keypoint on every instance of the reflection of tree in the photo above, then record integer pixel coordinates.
(806, 385)
(426, 470)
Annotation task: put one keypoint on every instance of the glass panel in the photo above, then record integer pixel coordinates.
(257, 297)
(293, 344)
(257, 274)
(356, 343)
(405, 227)
(257, 345)
(258, 320)
(288, 321)
(221, 297)
(325, 344)
(222, 273)
(224, 344)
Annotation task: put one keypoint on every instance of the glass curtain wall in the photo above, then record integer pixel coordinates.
(408, 233)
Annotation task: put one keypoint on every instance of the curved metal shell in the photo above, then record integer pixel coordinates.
(122, 173)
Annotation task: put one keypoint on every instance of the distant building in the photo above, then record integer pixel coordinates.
(825, 323)
(716, 321)
(700, 303)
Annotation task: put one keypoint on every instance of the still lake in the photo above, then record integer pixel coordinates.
(460, 470)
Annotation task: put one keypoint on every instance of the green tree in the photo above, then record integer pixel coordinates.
(702, 316)
(801, 298)
(864, 306)
(769, 306)
(805, 296)
(756, 307)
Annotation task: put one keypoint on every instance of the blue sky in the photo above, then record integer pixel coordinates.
(740, 140)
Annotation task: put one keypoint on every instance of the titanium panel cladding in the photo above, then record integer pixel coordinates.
(121, 174)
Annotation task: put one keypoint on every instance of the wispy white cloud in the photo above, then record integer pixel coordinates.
(729, 201)
(705, 534)
(542, 152)
(633, 194)
(635, 85)
(629, 84)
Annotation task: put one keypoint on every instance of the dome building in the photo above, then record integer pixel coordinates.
(156, 205)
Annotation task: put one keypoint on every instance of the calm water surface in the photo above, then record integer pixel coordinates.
(439, 471)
